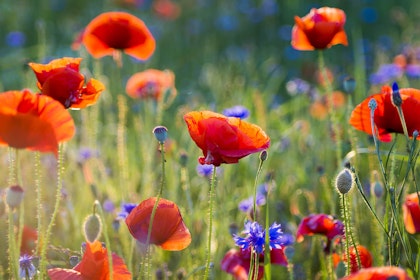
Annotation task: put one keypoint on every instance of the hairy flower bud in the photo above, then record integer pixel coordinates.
(14, 196)
(92, 228)
(344, 181)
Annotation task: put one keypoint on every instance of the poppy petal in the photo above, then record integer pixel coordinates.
(168, 230)
(377, 273)
(43, 71)
(33, 121)
(224, 139)
(64, 274)
(411, 213)
(386, 116)
(89, 95)
(118, 30)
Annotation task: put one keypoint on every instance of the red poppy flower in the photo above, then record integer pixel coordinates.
(61, 80)
(379, 273)
(224, 139)
(320, 29)
(386, 115)
(319, 224)
(166, 9)
(29, 239)
(118, 31)
(237, 262)
(364, 255)
(168, 230)
(151, 83)
(34, 122)
(94, 265)
(411, 213)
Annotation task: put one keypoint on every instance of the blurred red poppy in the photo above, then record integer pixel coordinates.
(166, 9)
(320, 29)
(224, 139)
(34, 122)
(386, 116)
(29, 239)
(168, 230)
(411, 213)
(94, 265)
(236, 262)
(379, 273)
(319, 224)
(61, 80)
(112, 31)
(364, 255)
(152, 84)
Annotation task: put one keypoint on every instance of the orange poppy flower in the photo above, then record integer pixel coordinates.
(411, 213)
(34, 122)
(319, 224)
(320, 29)
(386, 115)
(379, 273)
(112, 31)
(61, 80)
(94, 265)
(364, 254)
(151, 83)
(224, 139)
(29, 240)
(168, 230)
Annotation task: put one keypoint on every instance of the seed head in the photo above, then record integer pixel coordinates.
(92, 228)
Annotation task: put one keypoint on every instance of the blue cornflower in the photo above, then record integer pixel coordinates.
(237, 111)
(413, 71)
(255, 237)
(385, 73)
(86, 153)
(126, 209)
(297, 86)
(15, 39)
(247, 205)
(206, 170)
(26, 267)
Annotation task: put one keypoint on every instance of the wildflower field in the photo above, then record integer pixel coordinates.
(242, 139)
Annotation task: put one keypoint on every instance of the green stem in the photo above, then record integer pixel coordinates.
(38, 198)
(155, 206)
(58, 195)
(360, 189)
(208, 253)
(331, 112)
(98, 206)
(346, 229)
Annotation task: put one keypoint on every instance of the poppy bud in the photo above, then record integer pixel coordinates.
(396, 96)
(183, 159)
(92, 228)
(161, 133)
(377, 189)
(349, 85)
(344, 181)
(372, 104)
(415, 134)
(14, 196)
(290, 252)
(74, 260)
(263, 155)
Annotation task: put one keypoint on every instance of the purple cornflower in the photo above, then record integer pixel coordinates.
(126, 209)
(108, 206)
(255, 237)
(237, 111)
(27, 269)
(385, 73)
(247, 205)
(413, 71)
